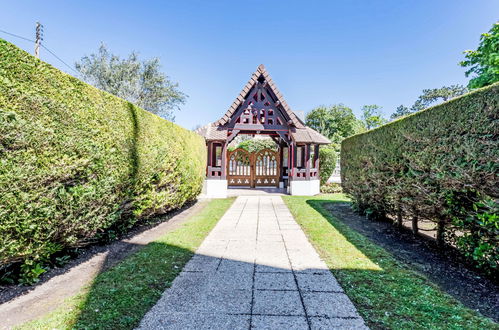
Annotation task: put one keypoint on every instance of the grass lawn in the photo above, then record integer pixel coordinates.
(119, 297)
(386, 292)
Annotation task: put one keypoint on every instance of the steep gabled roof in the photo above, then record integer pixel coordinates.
(260, 71)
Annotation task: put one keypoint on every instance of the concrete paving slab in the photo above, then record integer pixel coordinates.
(279, 322)
(323, 323)
(275, 281)
(328, 304)
(317, 282)
(277, 303)
(176, 321)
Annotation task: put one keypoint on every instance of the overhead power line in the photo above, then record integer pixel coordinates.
(45, 47)
(57, 57)
(17, 36)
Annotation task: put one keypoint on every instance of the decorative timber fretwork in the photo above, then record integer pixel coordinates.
(253, 169)
(260, 109)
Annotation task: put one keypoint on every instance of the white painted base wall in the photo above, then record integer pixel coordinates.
(304, 187)
(215, 188)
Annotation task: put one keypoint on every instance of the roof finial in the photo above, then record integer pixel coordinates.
(261, 67)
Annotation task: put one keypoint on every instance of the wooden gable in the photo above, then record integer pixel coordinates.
(260, 105)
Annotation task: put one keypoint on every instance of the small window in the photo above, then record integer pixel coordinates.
(218, 155)
(299, 156)
(312, 157)
(285, 157)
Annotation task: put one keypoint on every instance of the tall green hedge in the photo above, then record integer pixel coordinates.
(76, 161)
(440, 164)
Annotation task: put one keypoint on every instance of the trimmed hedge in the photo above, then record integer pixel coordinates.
(440, 164)
(76, 162)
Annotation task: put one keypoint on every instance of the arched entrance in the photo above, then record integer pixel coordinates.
(257, 169)
(260, 109)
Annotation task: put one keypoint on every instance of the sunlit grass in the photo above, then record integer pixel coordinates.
(386, 292)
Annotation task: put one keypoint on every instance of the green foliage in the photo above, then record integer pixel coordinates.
(478, 235)
(30, 272)
(434, 95)
(439, 164)
(76, 161)
(430, 97)
(327, 162)
(372, 116)
(331, 188)
(140, 82)
(254, 145)
(401, 110)
(484, 62)
(336, 122)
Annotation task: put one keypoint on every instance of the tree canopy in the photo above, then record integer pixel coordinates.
(372, 116)
(138, 81)
(430, 97)
(483, 63)
(336, 122)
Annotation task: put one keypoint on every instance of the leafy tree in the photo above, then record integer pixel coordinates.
(434, 95)
(336, 122)
(401, 110)
(430, 97)
(327, 162)
(140, 82)
(484, 62)
(372, 116)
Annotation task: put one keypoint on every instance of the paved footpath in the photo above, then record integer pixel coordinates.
(256, 269)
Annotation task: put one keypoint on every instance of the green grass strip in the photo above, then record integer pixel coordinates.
(119, 297)
(387, 293)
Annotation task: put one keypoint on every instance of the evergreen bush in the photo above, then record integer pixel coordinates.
(77, 162)
(440, 164)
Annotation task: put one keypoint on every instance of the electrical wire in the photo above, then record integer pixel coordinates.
(15, 35)
(44, 47)
(57, 57)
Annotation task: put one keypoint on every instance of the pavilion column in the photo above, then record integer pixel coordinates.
(281, 162)
(307, 161)
(292, 161)
(215, 184)
(224, 161)
(316, 159)
(209, 147)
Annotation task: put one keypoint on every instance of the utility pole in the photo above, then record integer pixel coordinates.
(38, 39)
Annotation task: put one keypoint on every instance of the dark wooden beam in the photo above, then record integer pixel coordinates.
(259, 127)
(233, 134)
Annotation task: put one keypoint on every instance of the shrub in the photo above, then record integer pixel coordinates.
(76, 162)
(327, 163)
(439, 164)
(331, 188)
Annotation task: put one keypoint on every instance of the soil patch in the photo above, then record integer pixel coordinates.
(444, 268)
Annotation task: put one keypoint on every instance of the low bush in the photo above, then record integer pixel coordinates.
(331, 188)
(327, 162)
(440, 164)
(76, 163)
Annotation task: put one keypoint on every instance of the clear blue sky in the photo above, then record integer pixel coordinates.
(318, 52)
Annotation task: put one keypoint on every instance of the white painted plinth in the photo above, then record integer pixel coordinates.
(304, 187)
(214, 188)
